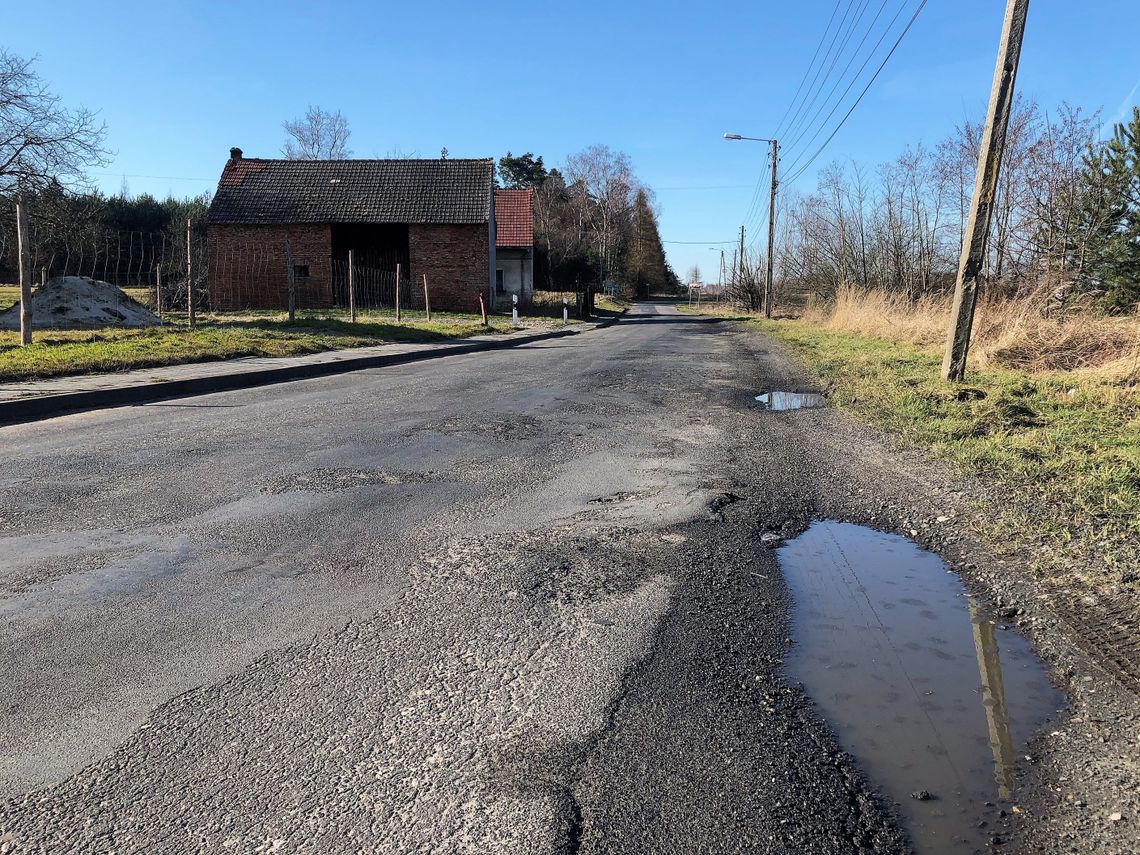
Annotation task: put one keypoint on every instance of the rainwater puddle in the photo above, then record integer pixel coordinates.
(918, 684)
(790, 400)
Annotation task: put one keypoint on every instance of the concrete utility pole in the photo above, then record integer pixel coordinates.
(771, 220)
(740, 266)
(771, 235)
(985, 188)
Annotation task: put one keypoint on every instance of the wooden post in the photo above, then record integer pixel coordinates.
(24, 241)
(158, 292)
(397, 293)
(292, 280)
(351, 291)
(483, 308)
(427, 299)
(977, 234)
(190, 276)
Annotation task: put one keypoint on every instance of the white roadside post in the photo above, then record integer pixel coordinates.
(565, 311)
(514, 310)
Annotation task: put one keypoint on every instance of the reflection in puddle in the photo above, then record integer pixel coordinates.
(790, 400)
(915, 680)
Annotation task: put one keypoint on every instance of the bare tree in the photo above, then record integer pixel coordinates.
(319, 135)
(602, 182)
(694, 277)
(41, 141)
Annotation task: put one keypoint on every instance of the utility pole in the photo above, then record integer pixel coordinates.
(771, 235)
(977, 233)
(740, 268)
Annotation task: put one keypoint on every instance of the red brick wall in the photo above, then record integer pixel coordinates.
(248, 266)
(455, 259)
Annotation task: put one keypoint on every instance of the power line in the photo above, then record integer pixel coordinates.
(807, 71)
(874, 77)
(807, 118)
(695, 242)
(807, 125)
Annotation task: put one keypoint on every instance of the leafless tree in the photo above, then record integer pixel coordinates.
(603, 183)
(42, 141)
(694, 277)
(318, 135)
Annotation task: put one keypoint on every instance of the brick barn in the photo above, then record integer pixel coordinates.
(431, 217)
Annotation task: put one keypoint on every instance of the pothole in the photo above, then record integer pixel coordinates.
(933, 697)
(790, 400)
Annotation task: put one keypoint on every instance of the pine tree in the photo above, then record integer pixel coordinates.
(1110, 216)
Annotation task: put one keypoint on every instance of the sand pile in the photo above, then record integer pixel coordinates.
(77, 301)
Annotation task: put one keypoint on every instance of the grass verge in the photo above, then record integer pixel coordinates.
(69, 352)
(1062, 448)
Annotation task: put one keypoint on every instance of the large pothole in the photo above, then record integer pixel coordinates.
(934, 698)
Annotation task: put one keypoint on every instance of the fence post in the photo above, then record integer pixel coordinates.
(23, 239)
(427, 299)
(292, 280)
(351, 290)
(43, 276)
(158, 292)
(190, 275)
(397, 293)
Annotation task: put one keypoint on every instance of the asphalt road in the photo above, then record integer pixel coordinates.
(509, 602)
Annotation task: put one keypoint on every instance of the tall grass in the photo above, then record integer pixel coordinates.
(1028, 333)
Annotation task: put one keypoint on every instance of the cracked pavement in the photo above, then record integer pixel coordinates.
(505, 602)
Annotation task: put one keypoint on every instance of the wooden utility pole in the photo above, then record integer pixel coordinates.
(771, 235)
(351, 290)
(190, 275)
(397, 293)
(24, 243)
(985, 188)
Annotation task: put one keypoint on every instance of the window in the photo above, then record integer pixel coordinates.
(500, 286)
(300, 271)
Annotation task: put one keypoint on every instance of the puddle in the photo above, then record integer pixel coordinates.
(790, 400)
(917, 682)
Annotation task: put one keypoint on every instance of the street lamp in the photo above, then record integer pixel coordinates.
(771, 217)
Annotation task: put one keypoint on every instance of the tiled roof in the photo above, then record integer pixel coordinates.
(254, 191)
(514, 218)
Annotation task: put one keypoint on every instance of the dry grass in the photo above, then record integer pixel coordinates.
(1026, 334)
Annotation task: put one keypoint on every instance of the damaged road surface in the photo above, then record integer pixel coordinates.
(523, 601)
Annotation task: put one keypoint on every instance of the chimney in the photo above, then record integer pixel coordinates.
(235, 153)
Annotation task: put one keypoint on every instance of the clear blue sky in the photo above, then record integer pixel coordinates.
(178, 83)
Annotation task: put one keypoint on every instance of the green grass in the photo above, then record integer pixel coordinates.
(1064, 449)
(67, 352)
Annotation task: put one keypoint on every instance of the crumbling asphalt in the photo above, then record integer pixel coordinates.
(505, 602)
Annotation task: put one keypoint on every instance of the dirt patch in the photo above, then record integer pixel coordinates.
(78, 301)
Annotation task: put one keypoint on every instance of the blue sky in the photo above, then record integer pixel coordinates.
(178, 83)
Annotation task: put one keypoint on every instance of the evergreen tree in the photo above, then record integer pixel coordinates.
(1110, 215)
